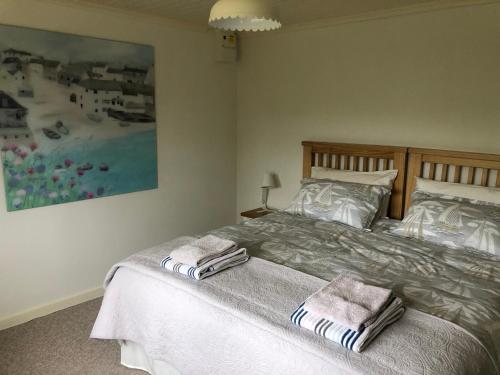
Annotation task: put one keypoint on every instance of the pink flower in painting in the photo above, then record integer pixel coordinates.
(90, 195)
(33, 146)
(55, 178)
(30, 170)
(80, 172)
(68, 163)
(13, 147)
(23, 154)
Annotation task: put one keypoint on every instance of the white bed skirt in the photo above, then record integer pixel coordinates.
(134, 356)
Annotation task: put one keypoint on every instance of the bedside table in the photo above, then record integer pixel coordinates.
(255, 213)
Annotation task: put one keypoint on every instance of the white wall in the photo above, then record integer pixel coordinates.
(428, 79)
(54, 252)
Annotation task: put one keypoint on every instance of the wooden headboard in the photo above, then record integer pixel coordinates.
(451, 166)
(360, 158)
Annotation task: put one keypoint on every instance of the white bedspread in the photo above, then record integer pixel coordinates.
(237, 322)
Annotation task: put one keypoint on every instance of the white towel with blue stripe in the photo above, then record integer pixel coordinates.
(209, 268)
(348, 338)
(203, 250)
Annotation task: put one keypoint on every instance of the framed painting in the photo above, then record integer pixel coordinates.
(77, 117)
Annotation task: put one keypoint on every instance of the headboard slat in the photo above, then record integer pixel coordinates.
(388, 155)
(365, 164)
(470, 175)
(485, 173)
(458, 174)
(320, 159)
(329, 161)
(432, 171)
(444, 173)
(355, 161)
(346, 162)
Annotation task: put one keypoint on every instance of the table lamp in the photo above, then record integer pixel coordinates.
(268, 182)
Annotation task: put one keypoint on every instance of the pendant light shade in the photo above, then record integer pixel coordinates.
(243, 15)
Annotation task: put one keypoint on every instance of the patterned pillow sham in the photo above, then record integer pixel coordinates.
(345, 202)
(453, 222)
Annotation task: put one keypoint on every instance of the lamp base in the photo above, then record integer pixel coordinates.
(265, 194)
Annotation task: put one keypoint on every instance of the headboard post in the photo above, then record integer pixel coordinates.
(397, 195)
(414, 169)
(360, 158)
(307, 161)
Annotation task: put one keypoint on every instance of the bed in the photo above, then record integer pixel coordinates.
(238, 321)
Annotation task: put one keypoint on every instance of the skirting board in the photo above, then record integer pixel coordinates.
(49, 308)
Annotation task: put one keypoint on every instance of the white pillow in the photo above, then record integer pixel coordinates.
(381, 178)
(475, 192)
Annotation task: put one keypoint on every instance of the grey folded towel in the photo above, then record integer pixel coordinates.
(203, 250)
(349, 302)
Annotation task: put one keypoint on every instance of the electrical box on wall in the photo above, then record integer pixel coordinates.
(226, 46)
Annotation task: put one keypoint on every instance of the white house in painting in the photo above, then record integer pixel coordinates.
(113, 74)
(11, 64)
(99, 68)
(134, 75)
(15, 83)
(35, 67)
(14, 53)
(51, 69)
(13, 126)
(72, 73)
(97, 96)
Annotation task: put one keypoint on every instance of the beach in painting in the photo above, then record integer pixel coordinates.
(77, 121)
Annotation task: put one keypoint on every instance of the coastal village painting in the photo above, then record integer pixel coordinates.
(77, 117)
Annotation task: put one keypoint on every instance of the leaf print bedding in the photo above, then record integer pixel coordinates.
(458, 285)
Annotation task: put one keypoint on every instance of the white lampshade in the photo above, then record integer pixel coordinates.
(243, 15)
(268, 181)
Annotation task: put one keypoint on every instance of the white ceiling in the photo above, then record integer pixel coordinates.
(290, 11)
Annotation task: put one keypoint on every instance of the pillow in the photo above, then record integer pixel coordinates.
(453, 222)
(383, 178)
(345, 202)
(480, 193)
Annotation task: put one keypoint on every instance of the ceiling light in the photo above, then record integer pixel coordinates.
(243, 15)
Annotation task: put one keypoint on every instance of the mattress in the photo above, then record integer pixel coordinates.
(453, 299)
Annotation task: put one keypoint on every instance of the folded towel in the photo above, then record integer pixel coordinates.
(348, 338)
(203, 250)
(349, 302)
(235, 258)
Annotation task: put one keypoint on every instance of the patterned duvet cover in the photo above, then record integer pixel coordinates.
(457, 285)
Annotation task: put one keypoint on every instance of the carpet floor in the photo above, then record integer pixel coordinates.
(59, 344)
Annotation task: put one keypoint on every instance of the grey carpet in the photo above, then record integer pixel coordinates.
(59, 344)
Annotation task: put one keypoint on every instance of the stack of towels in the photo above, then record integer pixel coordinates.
(205, 257)
(349, 312)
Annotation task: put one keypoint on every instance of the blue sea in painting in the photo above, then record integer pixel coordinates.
(131, 162)
(79, 170)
